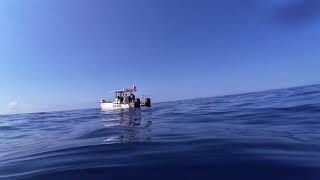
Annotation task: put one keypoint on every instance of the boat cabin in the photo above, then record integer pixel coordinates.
(123, 96)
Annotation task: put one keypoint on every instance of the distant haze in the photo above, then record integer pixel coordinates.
(57, 55)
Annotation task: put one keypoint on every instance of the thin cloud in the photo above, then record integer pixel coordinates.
(12, 106)
(18, 106)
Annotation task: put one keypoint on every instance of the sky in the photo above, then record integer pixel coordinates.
(58, 55)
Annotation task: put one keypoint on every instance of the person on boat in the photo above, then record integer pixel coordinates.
(131, 97)
(117, 99)
(121, 99)
(126, 99)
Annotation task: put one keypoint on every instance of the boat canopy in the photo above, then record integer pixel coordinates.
(123, 91)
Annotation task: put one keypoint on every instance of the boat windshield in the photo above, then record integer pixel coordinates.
(120, 94)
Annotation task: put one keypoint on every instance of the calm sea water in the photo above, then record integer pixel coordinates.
(264, 135)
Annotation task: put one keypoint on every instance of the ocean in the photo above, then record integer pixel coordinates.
(263, 135)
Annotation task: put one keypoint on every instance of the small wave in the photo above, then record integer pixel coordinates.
(300, 108)
(8, 128)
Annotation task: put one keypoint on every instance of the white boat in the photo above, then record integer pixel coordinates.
(124, 99)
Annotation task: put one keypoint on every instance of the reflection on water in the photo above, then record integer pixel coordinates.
(133, 125)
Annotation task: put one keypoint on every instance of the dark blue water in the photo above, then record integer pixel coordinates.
(264, 135)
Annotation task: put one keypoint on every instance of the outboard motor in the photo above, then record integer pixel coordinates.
(137, 103)
(147, 102)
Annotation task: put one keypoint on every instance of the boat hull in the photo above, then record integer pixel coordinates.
(111, 106)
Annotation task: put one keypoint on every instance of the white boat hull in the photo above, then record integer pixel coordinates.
(111, 106)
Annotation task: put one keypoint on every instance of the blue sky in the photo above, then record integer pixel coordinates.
(57, 55)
